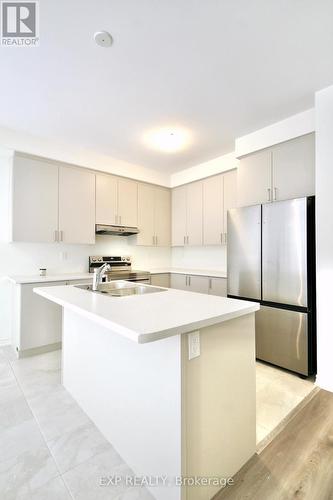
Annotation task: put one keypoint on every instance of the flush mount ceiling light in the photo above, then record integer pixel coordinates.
(168, 140)
(103, 38)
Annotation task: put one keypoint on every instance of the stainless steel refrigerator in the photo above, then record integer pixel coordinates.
(271, 259)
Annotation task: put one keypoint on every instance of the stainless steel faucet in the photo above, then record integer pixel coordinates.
(98, 275)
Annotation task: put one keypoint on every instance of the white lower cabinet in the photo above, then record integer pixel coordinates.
(217, 286)
(200, 284)
(36, 322)
(162, 279)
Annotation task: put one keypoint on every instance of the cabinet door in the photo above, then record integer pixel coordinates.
(106, 199)
(127, 203)
(179, 201)
(229, 197)
(41, 320)
(194, 214)
(146, 201)
(218, 286)
(213, 210)
(76, 206)
(35, 200)
(178, 281)
(254, 179)
(162, 217)
(197, 284)
(160, 280)
(294, 168)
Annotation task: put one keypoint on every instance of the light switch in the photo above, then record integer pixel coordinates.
(193, 345)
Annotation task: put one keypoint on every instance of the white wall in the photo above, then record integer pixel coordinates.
(290, 128)
(27, 258)
(208, 257)
(27, 143)
(324, 222)
(212, 167)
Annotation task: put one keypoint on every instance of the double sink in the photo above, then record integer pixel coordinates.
(122, 288)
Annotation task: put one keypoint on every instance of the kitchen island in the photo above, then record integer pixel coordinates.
(126, 360)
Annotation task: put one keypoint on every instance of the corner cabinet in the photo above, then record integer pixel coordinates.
(51, 202)
(154, 216)
(187, 215)
(282, 172)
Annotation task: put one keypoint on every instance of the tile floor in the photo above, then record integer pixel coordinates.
(51, 450)
(278, 393)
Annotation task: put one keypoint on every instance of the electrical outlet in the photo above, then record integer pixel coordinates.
(63, 255)
(193, 345)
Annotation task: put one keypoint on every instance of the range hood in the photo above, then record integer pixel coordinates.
(116, 230)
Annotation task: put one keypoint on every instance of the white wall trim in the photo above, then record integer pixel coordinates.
(24, 142)
(207, 169)
(290, 128)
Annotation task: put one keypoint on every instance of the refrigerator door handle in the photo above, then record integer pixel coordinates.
(275, 194)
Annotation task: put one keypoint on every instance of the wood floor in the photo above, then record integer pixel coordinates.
(297, 464)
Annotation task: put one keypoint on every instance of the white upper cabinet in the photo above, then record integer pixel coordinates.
(146, 216)
(294, 168)
(219, 195)
(116, 201)
(229, 196)
(35, 200)
(254, 178)
(162, 220)
(154, 213)
(282, 172)
(76, 206)
(194, 214)
(187, 215)
(106, 199)
(179, 215)
(127, 202)
(213, 210)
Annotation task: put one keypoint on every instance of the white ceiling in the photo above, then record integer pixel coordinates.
(220, 68)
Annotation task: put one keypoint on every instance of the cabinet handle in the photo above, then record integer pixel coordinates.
(221, 238)
(156, 240)
(56, 238)
(187, 240)
(184, 240)
(225, 238)
(61, 236)
(185, 280)
(189, 281)
(120, 219)
(269, 191)
(210, 283)
(275, 194)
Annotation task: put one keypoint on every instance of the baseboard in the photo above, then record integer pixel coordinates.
(38, 350)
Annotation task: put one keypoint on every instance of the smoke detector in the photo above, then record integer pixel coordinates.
(103, 38)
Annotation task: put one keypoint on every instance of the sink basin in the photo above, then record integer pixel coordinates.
(122, 288)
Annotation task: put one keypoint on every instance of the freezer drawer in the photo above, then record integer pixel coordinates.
(284, 252)
(282, 338)
(244, 252)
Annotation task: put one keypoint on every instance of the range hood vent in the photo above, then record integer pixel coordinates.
(116, 230)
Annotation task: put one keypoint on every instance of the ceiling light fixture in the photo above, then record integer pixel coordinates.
(169, 140)
(103, 38)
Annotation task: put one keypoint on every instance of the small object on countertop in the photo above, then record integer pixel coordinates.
(42, 271)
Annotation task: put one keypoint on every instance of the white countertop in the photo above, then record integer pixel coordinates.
(149, 317)
(19, 280)
(195, 272)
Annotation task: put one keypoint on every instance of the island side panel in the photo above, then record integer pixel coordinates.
(219, 403)
(131, 391)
